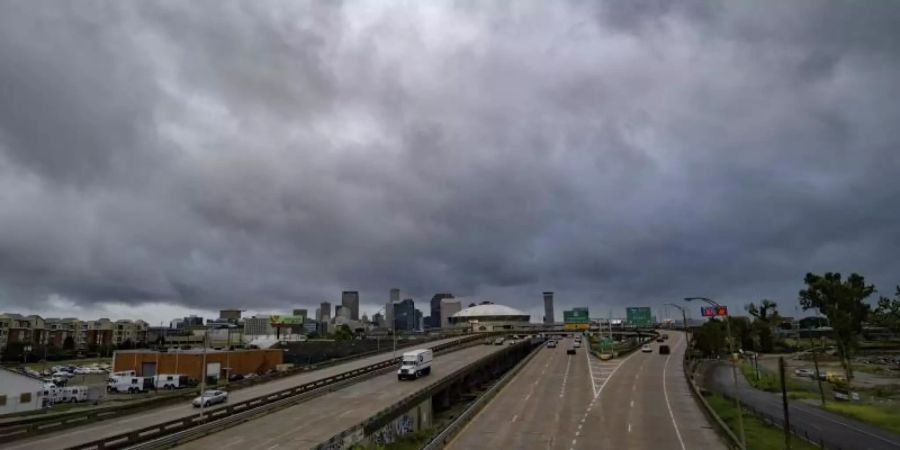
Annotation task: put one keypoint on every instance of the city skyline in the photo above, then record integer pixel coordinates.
(157, 159)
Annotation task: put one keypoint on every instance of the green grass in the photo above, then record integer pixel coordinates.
(760, 435)
(768, 381)
(882, 416)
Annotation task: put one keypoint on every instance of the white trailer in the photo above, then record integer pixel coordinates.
(128, 384)
(415, 364)
(170, 381)
(74, 394)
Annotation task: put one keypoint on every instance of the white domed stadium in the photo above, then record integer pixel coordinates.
(490, 317)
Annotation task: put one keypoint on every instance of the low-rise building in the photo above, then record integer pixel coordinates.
(219, 363)
(19, 392)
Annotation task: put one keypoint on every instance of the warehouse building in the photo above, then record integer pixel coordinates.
(219, 363)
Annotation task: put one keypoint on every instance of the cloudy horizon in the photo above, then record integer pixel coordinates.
(159, 158)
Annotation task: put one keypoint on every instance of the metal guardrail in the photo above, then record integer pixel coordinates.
(274, 399)
(441, 440)
(33, 425)
(385, 415)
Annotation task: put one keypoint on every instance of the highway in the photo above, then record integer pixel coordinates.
(560, 401)
(314, 421)
(111, 427)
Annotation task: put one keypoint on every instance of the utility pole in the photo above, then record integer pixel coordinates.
(732, 356)
(687, 334)
(784, 402)
(816, 365)
(203, 371)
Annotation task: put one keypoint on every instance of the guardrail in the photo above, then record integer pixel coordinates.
(381, 418)
(32, 425)
(722, 429)
(253, 406)
(441, 440)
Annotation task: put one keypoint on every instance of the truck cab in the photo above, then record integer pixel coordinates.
(415, 364)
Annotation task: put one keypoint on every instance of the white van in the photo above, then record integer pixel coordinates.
(170, 381)
(415, 363)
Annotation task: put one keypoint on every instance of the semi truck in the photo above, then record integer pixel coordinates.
(415, 364)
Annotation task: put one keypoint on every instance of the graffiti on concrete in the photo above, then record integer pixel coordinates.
(394, 430)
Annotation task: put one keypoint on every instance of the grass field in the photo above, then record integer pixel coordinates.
(768, 381)
(883, 416)
(760, 435)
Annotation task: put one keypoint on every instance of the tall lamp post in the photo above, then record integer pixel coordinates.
(687, 333)
(737, 400)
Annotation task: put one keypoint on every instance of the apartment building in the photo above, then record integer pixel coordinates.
(54, 332)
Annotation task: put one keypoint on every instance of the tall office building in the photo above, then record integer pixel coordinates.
(350, 300)
(395, 295)
(405, 315)
(449, 307)
(435, 320)
(389, 307)
(548, 307)
(324, 312)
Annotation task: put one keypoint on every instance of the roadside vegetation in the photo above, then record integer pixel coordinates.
(760, 435)
(768, 381)
(885, 416)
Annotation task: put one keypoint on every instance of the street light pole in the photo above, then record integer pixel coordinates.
(687, 333)
(737, 400)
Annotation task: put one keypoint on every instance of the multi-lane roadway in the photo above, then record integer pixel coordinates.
(561, 401)
(315, 421)
(112, 427)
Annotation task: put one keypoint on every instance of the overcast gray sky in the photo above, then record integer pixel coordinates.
(158, 158)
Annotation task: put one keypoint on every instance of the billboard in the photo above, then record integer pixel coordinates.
(638, 315)
(576, 326)
(576, 315)
(286, 320)
(712, 311)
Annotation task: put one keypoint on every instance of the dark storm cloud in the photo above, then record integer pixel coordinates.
(270, 154)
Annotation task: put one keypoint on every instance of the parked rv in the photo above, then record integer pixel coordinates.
(170, 381)
(130, 384)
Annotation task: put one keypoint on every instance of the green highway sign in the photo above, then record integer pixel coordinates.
(639, 316)
(576, 315)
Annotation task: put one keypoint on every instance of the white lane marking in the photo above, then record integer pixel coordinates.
(565, 378)
(629, 428)
(669, 405)
(632, 404)
(514, 418)
(611, 375)
(587, 358)
(273, 447)
(528, 396)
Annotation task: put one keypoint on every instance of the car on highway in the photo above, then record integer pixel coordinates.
(488, 341)
(210, 397)
(809, 373)
(571, 350)
(577, 344)
(499, 341)
(664, 350)
(647, 349)
(551, 344)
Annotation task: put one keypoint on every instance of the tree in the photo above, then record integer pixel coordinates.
(69, 343)
(843, 303)
(888, 312)
(761, 312)
(343, 333)
(709, 339)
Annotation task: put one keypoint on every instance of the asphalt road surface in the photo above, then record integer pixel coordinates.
(314, 421)
(816, 424)
(561, 401)
(112, 427)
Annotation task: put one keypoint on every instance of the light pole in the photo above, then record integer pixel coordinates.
(203, 371)
(737, 400)
(687, 333)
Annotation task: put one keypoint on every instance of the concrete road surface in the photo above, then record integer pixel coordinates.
(816, 424)
(111, 427)
(579, 402)
(314, 421)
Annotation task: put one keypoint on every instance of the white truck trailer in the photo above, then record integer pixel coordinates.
(415, 364)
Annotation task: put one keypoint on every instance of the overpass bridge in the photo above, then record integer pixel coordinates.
(126, 430)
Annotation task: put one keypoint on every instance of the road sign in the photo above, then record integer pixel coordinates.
(576, 315)
(639, 316)
(286, 320)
